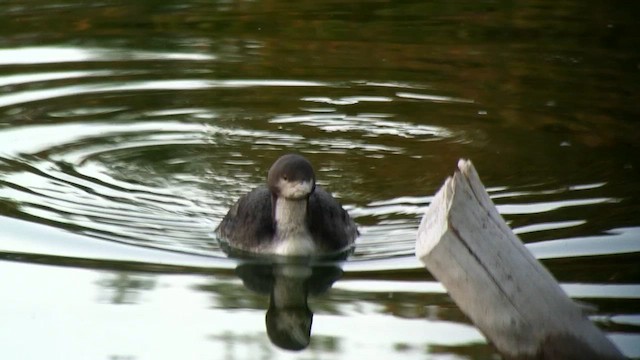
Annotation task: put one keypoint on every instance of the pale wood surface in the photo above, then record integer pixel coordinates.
(518, 305)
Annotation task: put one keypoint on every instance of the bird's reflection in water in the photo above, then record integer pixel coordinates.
(289, 284)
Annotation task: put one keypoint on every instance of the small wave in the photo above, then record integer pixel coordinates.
(62, 54)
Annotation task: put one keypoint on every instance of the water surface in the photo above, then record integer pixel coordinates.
(127, 131)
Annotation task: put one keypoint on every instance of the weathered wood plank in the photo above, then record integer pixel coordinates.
(466, 244)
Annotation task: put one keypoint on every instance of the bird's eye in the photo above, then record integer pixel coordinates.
(285, 178)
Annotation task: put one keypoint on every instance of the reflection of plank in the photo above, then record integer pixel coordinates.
(464, 242)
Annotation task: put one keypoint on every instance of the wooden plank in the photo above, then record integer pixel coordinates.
(518, 305)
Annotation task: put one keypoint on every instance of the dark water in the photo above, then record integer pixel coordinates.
(127, 130)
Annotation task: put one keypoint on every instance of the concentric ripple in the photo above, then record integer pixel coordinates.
(85, 188)
(153, 158)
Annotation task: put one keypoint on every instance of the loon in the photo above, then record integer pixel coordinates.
(289, 216)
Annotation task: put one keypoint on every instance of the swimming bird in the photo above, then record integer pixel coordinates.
(290, 215)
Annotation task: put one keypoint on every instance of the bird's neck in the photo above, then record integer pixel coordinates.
(290, 215)
(291, 227)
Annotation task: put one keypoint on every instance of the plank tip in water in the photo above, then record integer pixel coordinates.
(508, 294)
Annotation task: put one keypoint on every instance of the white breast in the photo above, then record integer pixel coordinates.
(300, 246)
